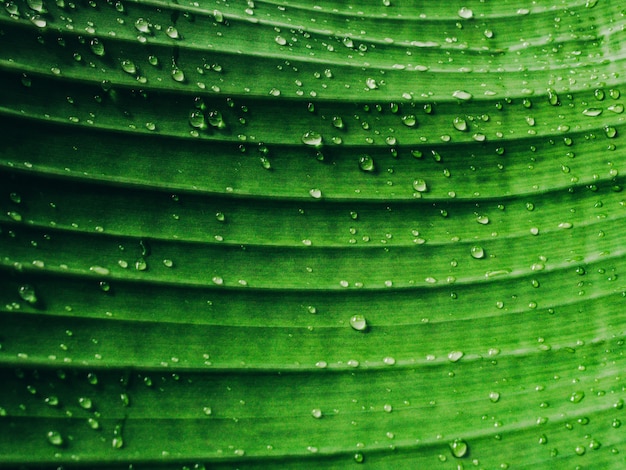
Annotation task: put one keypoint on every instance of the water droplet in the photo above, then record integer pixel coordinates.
(312, 138)
(466, 13)
(196, 119)
(52, 400)
(28, 294)
(359, 457)
(207, 410)
(38, 21)
(85, 403)
(543, 439)
(477, 252)
(177, 74)
(420, 185)
(316, 413)
(315, 193)
(118, 441)
(462, 95)
(129, 67)
(390, 361)
(616, 108)
(358, 322)
(141, 265)
(592, 112)
(409, 120)
(494, 397)
(553, 98)
(455, 356)
(172, 32)
(459, 448)
(610, 132)
(97, 47)
(460, 124)
(580, 450)
(143, 26)
(371, 83)
(216, 120)
(366, 163)
(55, 438)
(613, 93)
(577, 396)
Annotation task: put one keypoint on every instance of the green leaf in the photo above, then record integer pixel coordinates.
(293, 235)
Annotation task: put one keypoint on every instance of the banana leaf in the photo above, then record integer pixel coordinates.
(289, 234)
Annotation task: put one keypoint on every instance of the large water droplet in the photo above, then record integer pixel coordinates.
(216, 120)
(142, 25)
(172, 32)
(553, 98)
(371, 83)
(576, 397)
(455, 356)
(409, 120)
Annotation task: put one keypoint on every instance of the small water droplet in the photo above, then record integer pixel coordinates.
(177, 74)
(85, 403)
(315, 193)
(172, 32)
(409, 120)
(466, 13)
(462, 95)
(129, 67)
(553, 98)
(97, 47)
(460, 124)
(477, 252)
(316, 413)
(359, 457)
(312, 138)
(494, 397)
(459, 448)
(207, 410)
(576, 397)
(482, 219)
(420, 185)
(38, 21)
(366, 163)
(592, 112)
(358, 322)
(371, 83)
(55, 438)
(455, 356)
(28, 294)
(143, 26)
(390, 361)
(118, 441)
(610, 132)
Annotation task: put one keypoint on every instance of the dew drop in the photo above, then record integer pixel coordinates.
(177, 74)
(142, 25)
(358, 322)
(316, 413)
(216, 120)
(85, 403)
(99, 270)
(38, 21)
(494, 397)
(359, 457)
(93, 423)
